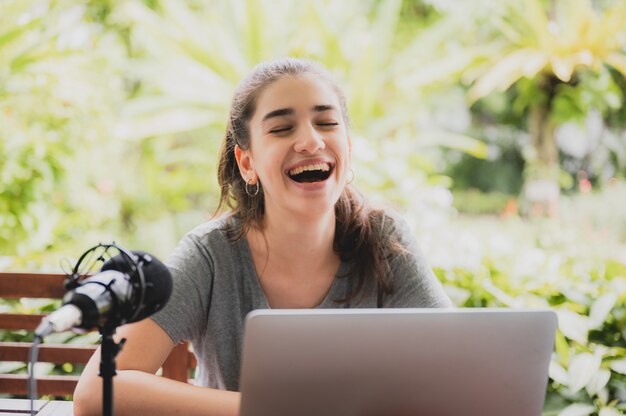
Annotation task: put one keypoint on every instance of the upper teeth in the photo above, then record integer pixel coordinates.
(324, 167)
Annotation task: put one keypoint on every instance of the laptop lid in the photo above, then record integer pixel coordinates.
(396, 362)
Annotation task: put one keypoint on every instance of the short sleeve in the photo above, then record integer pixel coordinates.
(413, 282)
(191, 266)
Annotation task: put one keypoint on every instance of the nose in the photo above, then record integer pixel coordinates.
(309, 140)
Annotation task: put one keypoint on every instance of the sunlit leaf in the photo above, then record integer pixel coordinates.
(89, 338)
(600, 309)
(582, 370)
(441, 70)
(558, 373)
(43, 369)
(609, 411)
(617, 61)
(512, 67)
(59, 338)
(619, 366)
(164, 123)
(578, 409)
(7, 367)
(562, 68)
(561, 346)
(15, 33)
(598, 382)
(456, 141)
(573, 325)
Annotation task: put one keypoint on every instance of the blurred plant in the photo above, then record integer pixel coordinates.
(560, 59)
(504, 157)
(190, 56)
(475, 202)
(578, 272)
(134, 97)
(146, 173)
(52, 100)
(588, 370)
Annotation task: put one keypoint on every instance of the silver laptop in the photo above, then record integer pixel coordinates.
(396, 362)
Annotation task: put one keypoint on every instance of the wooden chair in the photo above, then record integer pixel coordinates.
(49, 285)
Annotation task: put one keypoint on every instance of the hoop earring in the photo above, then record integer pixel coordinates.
(255, 192)
(349, 181)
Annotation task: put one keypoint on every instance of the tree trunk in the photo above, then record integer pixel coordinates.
(541, 187)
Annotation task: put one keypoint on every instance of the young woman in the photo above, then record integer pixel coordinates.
(297, 235)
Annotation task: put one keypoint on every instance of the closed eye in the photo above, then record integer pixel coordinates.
(328, 124)
(280, 130)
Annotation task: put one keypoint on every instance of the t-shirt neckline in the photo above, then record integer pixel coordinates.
(328, 301)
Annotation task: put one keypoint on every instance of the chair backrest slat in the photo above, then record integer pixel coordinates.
(31, 285)
(15, 321)
(50, 286)
(17, 384)
(48, 353)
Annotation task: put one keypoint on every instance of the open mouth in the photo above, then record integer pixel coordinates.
(317, 172)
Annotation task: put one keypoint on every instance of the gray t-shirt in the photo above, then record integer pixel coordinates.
(216, 285)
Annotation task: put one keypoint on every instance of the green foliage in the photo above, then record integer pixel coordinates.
(51, 101)
(589, 295)
(600, 210)
(523, 59)
(132, 99)
(475, 202)
(112, 113)
(598, 91)
(470, 172)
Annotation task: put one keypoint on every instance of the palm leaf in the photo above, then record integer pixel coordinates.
(511, 68)
(453, 140)
(617, 61)
(17, 32)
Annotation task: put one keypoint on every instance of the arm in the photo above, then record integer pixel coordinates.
(137, 390)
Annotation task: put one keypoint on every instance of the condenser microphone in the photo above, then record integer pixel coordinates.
(129, 287)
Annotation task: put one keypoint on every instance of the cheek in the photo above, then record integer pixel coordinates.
(342, 146)
(267, 163)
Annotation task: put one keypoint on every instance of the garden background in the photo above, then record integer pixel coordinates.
(498, 128)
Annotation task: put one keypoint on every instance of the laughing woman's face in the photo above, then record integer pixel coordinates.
(299, 147)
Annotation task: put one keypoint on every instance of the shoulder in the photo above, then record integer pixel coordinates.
(207, 240)
(393, 227)
(413, 281)
(213, 234)
(215, 228)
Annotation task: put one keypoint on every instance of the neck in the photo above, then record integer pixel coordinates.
(296, 243)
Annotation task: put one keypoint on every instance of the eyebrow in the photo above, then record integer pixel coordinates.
(278, 113)
(289, 111)
(322, 108)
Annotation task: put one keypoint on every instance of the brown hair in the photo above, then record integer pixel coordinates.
(359, 237)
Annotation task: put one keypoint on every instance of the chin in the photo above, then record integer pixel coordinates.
(312, 210)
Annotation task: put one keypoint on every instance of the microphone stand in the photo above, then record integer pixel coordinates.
(108, 351)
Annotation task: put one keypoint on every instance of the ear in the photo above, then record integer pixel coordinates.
(246, 165)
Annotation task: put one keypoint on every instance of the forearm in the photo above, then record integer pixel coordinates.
(136, 392)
